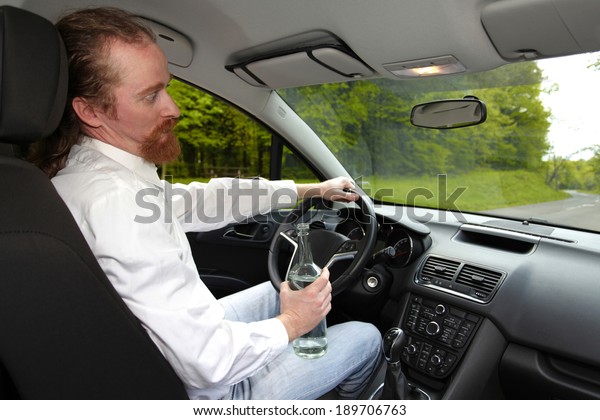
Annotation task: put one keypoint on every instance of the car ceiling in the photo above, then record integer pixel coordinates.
(386, 31)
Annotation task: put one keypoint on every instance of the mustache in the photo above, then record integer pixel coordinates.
(167, 125)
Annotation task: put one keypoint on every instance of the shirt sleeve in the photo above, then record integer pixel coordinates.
(151, 266)
(222, 201)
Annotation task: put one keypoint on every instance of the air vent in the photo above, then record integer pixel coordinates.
(459, 278)
(439, 268)
(481, 280)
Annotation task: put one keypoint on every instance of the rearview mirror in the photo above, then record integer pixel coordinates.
(452, 113)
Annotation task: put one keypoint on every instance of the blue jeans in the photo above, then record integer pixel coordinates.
(353, 353)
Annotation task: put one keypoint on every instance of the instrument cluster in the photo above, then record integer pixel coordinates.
(397, 245)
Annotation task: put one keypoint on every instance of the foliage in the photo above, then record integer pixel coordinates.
(216, 139)
(371, 119)
(367, 126)
(593, 171)
(564, 173)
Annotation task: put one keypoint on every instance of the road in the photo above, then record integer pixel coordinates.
(580, 210)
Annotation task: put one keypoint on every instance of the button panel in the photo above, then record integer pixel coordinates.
(438, 336)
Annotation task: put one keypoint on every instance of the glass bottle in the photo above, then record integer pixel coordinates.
(302, 273)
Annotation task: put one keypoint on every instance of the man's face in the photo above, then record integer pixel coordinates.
(144, 114)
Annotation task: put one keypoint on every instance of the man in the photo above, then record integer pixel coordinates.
(117, 127)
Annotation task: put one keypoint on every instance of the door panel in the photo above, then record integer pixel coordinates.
(234, 257)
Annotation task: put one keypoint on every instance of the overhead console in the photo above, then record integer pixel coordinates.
(306, 59)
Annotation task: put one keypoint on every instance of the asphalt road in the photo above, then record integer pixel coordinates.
(580, 210)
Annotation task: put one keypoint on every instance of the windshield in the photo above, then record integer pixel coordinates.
(536, 157)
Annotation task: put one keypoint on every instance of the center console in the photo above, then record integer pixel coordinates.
(438, 336)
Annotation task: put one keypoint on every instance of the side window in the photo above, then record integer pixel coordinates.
(218, 140)
(295, 168)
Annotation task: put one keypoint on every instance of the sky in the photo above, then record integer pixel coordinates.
(575, 106)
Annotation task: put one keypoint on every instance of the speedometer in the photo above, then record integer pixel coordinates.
(352, 229)
(402, 243)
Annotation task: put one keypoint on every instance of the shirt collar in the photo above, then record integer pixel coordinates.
(138, 165)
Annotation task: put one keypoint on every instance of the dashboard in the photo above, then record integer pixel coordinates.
(492, 308)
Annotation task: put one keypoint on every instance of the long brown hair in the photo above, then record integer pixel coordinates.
(88, 35)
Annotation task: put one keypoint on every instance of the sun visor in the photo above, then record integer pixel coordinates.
(175, 46)
(302, 63)
(529, 29)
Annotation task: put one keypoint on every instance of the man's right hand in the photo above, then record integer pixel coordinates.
(302, 310)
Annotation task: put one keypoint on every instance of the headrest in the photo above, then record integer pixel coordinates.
(33, 76)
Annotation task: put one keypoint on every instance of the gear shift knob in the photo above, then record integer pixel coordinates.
(395, 386)
(393, 342)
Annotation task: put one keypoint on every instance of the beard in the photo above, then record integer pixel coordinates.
(161, 145)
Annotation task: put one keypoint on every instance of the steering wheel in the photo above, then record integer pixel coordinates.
(328, 247)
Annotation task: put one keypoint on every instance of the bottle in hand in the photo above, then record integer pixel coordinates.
(302, 273)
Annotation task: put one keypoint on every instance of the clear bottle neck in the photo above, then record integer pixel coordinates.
(304, 252)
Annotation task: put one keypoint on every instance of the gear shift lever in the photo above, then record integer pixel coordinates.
(395, 386)
(393, 342)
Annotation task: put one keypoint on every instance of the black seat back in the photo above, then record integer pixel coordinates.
(64, 331)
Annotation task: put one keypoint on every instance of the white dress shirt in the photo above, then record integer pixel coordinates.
(135, 224)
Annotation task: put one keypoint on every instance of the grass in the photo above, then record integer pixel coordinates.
(474, 191)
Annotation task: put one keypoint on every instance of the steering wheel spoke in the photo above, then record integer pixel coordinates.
(346, 251)
(289, 235)
(342, 256)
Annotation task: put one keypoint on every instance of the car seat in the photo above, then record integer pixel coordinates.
(64, 331)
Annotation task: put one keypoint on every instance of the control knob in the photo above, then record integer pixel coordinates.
(436, 360)
(432, 328)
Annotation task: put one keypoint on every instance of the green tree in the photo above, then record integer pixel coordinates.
(216, 139)
(594, 163)
(371, 119)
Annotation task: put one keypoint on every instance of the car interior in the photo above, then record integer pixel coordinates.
(470, 305)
